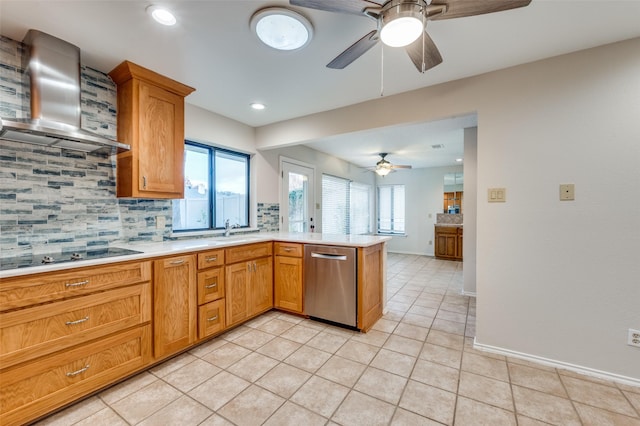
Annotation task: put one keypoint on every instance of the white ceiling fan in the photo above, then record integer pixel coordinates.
(384, 167)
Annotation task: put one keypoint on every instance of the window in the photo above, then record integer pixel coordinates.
(345, 206)
(216, 189)
(391, 209)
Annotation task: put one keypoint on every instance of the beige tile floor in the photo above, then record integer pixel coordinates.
(416, 367)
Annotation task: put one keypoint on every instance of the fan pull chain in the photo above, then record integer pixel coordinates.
(381, 70)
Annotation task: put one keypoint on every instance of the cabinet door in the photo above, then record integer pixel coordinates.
(261, 290)
(175, 307)
(446, 245)
(161, 143)
(459, 247)
(288, 283)
(237, 284)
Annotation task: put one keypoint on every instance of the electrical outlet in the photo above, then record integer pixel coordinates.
(161, 222)
(633, 338)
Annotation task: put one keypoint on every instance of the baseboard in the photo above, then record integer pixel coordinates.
(468, 293)
(558, 364)
(410, 252)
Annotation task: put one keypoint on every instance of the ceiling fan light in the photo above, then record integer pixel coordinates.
(383, 171)
(401, 31)
(281, 28)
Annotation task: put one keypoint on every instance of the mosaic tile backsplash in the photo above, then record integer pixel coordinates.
(52, 199)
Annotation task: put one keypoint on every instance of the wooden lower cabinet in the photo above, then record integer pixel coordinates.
(249, 289)
(448, 242)
(370, 277)
(34, 388)
(288, 286)
(174, 304)
(29, 333)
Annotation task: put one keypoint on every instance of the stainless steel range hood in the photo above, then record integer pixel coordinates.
(53, 66)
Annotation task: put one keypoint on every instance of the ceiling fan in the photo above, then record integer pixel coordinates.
(384, 167)
(402, 23)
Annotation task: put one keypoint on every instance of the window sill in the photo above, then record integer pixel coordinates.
(391, 234)
(211, 233)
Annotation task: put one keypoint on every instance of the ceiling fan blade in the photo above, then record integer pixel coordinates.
(397, 166)
(461, 8)
(355, 7)
(424, 53)
(356, 50)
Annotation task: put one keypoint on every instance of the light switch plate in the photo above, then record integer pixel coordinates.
(497, 195)
(567, 192)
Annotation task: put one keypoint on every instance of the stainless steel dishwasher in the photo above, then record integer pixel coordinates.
(330, 284)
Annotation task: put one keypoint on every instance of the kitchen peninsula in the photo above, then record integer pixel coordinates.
(71, 329)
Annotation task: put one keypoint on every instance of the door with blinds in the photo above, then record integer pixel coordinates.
(297, 197)
(346, 206)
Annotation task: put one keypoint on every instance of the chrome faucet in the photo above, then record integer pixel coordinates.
(228, 227)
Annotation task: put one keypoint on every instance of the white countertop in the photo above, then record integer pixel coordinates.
(167, 248)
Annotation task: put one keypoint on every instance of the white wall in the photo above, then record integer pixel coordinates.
(269, 190)
(423, 197)
(556, 280)
(470, 210)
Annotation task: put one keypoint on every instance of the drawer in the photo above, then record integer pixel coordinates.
(210, 285)
(287, 249)
(447, 229)
(32, 332)
(248, 251)
(211, 258)
(29, 290)
(210, 318)
(39, 386)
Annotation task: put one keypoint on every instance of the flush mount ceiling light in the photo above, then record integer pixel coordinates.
(258, 106)
(401, 23)
(281, 28)
(161, 15)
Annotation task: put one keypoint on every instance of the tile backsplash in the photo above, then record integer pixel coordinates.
(53, 199)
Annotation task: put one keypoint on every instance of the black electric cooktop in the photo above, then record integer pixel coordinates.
(64, 257)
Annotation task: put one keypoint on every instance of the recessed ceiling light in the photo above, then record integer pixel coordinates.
(281, 28)
(258, 106)
(161, 15)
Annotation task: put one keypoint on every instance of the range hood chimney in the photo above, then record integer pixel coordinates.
(53, 66)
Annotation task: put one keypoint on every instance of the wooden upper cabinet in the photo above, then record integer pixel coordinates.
(151, 120)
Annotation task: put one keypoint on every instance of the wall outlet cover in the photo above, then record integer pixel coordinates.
(567, 192)
(633, 338)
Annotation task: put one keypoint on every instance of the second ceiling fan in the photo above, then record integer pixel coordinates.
(402, 23)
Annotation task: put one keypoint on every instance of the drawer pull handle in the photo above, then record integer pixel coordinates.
(81, 320)
(214, 285)
(177, 262)
(78, 284)
(75, 373)
(211, 259)
(288, 249)
(212, 318)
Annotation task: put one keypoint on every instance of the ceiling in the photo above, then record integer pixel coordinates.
(213, 49)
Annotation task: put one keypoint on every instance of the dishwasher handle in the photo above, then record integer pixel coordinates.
(329, 256)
